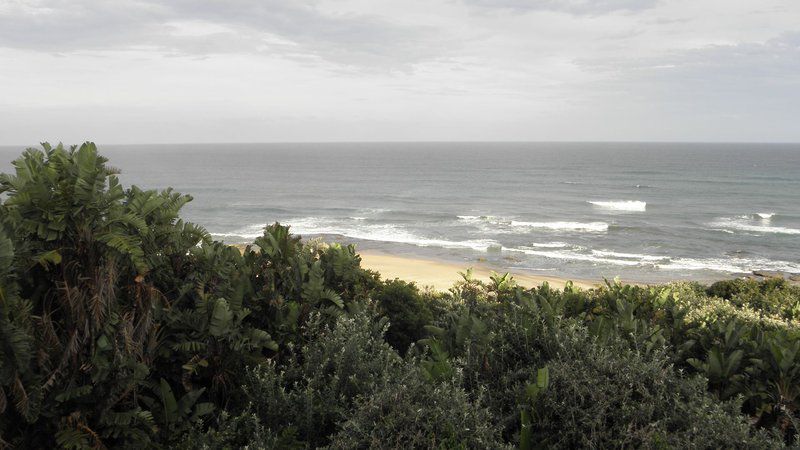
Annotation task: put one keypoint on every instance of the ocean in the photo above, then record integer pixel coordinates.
(641, 211)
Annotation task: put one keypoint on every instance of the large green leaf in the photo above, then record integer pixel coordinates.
(221, 319)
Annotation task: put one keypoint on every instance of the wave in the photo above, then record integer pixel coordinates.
(356, 229)
(382, 233)
(637, 256)
(745, 224)
(504, 225)
(596, 227)
(570, 255)
(735, 265)
(483, 219)
(551, 250)
(549, 244)
(247, 233)
(661, 262)
(765, 215)
(622, 205)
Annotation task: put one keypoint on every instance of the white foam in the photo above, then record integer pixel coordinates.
(637, 256)
(596, 227)
(730, 265)
(501, 225)
(622, 205)
(549, 244)
(717, 265)
(570, 255)
(765, 215)
(373, 210)
(747, 225)
(493, 220)
(661, 262)
(248, 232)
(472, 219)
(381, 233)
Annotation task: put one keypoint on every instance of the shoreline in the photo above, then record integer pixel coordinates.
(441, 275)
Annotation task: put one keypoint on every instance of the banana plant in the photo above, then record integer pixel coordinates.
(779, 368)
(501, 283)
(176, 415)
(436, 366)
(81, 264)
(722, 370)
(533, 390)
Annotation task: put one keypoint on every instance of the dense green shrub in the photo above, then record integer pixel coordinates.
(83, 250)
(123, 325)
(612, 396)
(313, 392)
(242, 431)
(412, 412)
(407, 310)
(347, 384)
(612, 341)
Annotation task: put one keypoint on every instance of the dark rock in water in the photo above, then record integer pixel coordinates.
(768, 273)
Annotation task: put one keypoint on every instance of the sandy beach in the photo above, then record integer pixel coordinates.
(441, 275)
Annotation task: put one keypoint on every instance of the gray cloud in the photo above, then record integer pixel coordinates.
(180, 70)
(746, 91)
(577, 7)
(248, 26)
(742, 68)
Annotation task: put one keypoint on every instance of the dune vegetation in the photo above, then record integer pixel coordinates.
(123, 326)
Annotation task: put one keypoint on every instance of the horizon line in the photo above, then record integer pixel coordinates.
(277, 142)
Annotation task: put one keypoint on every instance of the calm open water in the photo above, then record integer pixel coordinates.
(644, 211)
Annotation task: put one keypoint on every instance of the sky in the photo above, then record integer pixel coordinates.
(185, 71)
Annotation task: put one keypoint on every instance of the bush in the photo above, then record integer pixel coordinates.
(414, 413)
(84, 251)
(244, 431)
(611, 396)
(348, 388)
(313, 392)
(122, 325)
(407, 311)
(772, 296)
(605, 390)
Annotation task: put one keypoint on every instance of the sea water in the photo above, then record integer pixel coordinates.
(643, 211)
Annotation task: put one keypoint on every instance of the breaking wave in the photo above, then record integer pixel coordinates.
(746, 224)
(621, 205)
(660, 262)
(570, 253)
(500, 224)
(356, 229)
(596, 227)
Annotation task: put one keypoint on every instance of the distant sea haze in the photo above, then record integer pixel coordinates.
(643, 211)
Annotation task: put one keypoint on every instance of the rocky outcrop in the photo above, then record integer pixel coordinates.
(768, 274)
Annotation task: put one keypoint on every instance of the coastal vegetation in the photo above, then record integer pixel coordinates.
(121, 325)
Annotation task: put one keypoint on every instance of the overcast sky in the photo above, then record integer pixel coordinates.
(362, 70)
